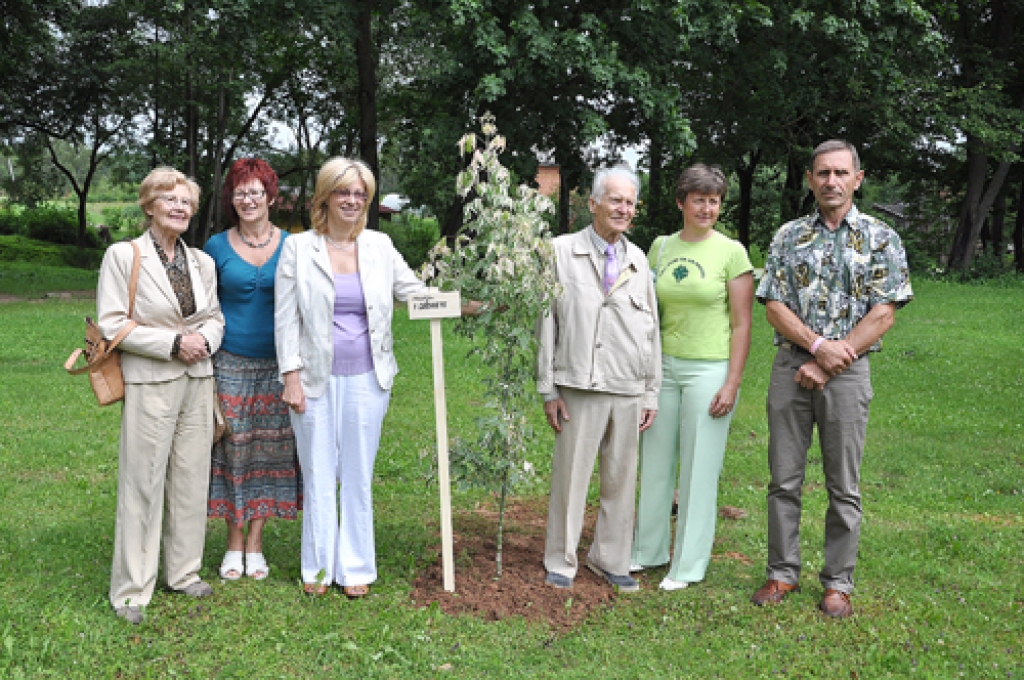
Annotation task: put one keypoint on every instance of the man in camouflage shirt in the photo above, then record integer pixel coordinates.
(832, 283)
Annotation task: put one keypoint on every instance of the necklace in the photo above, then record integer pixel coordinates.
(344, 247)
(270, 235)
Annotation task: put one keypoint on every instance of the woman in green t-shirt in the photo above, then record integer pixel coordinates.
(705, 293)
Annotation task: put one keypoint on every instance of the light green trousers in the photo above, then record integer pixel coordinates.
(685, 446)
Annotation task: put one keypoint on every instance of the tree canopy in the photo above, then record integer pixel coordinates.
(931, 91)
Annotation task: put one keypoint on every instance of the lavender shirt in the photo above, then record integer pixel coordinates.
(352, 355)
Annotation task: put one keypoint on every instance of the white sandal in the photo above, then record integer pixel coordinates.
(232, 562)
(255, 564)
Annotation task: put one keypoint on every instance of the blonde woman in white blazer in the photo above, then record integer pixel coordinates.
(167, 419)
(334, 297)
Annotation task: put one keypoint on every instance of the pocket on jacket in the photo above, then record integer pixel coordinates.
(644, 333)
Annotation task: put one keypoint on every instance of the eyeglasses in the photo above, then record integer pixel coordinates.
(254, 194)
(345, 194)
(177, 201)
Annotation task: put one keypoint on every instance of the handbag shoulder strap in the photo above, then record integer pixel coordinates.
(661, 240)
(133, 284)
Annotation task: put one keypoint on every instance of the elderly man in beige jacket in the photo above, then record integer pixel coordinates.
(599, 370)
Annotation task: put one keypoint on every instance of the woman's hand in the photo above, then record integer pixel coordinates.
(192, 349)
(293, 395)
(724, 401)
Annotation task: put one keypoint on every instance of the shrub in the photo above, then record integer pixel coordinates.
(21, 249)
(54, 225)
(127, 219)
(8, 222)
(413, 236)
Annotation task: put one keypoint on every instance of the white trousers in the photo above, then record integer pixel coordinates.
(337, 439)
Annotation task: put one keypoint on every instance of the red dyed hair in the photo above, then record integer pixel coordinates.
(243, 170)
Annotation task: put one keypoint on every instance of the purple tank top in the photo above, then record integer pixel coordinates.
(352, 354)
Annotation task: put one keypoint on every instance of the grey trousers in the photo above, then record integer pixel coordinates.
(841, 414)
(608, 423)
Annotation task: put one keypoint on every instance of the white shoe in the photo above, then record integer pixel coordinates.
(669, 584)
(256, 566)
(231, 566)
(633, 567)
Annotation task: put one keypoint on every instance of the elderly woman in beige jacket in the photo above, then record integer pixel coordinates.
(167, 421)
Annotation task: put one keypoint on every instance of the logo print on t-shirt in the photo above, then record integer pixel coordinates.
(680, 272)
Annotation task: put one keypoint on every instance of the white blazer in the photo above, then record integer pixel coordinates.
(146, 350)
(304, 305)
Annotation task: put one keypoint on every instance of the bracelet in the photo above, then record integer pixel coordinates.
(176, 345)
(816, 344)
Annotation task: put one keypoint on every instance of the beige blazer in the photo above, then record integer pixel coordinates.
(304, 305)
(147, 349)
(592, 341)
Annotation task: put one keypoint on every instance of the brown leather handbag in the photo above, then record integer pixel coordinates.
(103, 358)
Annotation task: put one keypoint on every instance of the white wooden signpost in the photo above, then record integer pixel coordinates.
(435, 305)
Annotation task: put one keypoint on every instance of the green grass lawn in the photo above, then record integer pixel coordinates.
(940, 582)
(29, 279)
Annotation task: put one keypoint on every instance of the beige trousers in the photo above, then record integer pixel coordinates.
(163, 479)
(609, 424)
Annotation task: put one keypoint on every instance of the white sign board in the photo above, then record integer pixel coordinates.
(435, 305)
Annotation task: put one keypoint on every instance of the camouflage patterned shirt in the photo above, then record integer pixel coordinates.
(832, 279)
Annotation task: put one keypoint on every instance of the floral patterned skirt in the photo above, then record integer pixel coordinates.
(255, 471)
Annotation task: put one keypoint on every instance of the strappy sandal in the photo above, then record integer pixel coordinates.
(355, 592)
(256, 566)
(314, 588)
(232, 562)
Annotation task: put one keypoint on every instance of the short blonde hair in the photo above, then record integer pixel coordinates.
(339, 172)
(162, 180)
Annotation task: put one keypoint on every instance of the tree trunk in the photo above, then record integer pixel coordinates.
(154, 149)
(977, 203)
(453, 221)
(212, 202)
(564, 201)
(997, 224)
(745, 171)
(81, 190)
(1018, 232)
(655, 183)
(366, 66)
(792, 190)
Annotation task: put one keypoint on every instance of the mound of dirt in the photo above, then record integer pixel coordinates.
(520, 591)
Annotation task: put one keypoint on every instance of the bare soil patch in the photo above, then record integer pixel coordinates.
(521, 590)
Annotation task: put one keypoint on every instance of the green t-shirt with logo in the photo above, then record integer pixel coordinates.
(693, 298)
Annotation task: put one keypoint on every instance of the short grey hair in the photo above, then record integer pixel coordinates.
(835, 145)
(602, 176)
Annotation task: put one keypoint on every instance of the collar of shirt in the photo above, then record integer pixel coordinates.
(850, 219)
(602, 246)
(178, 264)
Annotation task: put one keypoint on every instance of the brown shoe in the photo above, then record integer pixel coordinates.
(836, 604)
(773, 592)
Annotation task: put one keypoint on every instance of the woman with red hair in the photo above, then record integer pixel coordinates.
(255, 472)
